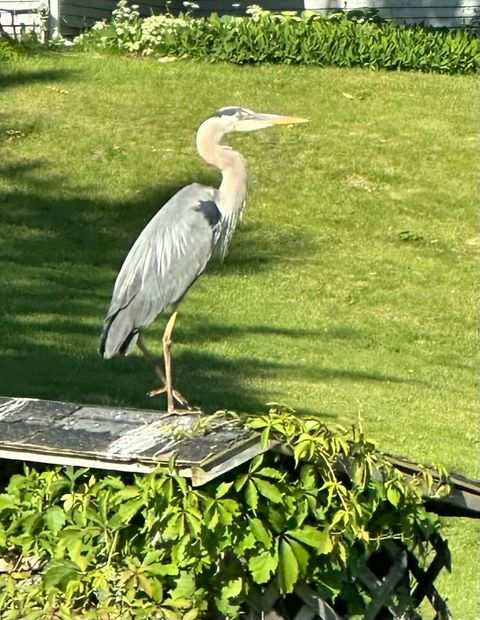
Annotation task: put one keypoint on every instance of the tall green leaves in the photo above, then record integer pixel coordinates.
(344, 40)
(154, 547)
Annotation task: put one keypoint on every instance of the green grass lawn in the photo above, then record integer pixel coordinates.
(349, 289)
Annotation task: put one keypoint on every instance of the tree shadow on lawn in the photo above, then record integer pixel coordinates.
(60, 256)
(208, 380)
(22, 77)
(211, 381)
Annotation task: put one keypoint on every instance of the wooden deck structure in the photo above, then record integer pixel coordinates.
(120, 439)
(135, 440)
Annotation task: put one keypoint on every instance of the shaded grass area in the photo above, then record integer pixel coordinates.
(349, 289)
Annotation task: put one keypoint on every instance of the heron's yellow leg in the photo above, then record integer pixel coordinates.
(167, 343)
(166, 377)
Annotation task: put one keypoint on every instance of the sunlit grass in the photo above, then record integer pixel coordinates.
(350, 287)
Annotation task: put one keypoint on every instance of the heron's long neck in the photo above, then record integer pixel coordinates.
(232, 166)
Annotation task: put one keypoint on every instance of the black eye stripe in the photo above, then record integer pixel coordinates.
(228, 112)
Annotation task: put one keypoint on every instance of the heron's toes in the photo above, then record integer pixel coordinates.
(181, 400)
(179, 404)
(157, 392)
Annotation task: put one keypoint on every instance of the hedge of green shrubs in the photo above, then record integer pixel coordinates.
(261, 36)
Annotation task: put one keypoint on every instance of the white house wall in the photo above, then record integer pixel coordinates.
(438, 13)
(72, 16)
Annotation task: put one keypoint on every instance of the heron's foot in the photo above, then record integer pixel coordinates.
(181, 400)
(180, 412)
(184, 407)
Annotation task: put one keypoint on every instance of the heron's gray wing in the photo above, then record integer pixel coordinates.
(169, 254)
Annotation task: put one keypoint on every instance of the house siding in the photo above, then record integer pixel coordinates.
(78, 15)
(437, 13)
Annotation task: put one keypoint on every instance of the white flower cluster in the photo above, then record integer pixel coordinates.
(255, 11)
(190, 6)
(158, 29)
(99, 25)
(159, 34)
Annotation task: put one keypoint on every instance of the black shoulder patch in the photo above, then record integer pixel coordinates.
(210, 211)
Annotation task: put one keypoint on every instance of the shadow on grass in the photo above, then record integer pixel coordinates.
(208, 380)
(19, 77)
(61, 251)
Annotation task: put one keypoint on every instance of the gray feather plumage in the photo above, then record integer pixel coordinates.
(168, 256)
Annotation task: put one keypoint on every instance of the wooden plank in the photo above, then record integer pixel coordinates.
(127, 439)
(206, 7)
(463, 499)
(431, 592)
(447, 13)
(305, 613)
(91, 9)
(90, 14)
(315, 603)
(441, 559)
(262, 600)
(458, 503)
(382, 590)
(431, 5)
(121, 439)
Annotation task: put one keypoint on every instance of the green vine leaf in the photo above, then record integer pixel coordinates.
(263, 566)
(223, 489)
(55, 518)
(301, 554)
(309, 535)
(184, 586)
(129, 509)
(158, 549)
(229, 591)
(251, 495)
(268, 490)
(393, 496)
(270, 472)
(59, 573)
(260, 532)
(288, 569)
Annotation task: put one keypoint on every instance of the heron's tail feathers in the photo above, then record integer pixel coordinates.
(119, 336)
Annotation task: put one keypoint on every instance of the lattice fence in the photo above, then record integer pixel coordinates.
(392, 577)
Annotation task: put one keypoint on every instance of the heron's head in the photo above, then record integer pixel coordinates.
(241, 119)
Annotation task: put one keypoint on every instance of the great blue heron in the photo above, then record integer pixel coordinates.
(176, 245)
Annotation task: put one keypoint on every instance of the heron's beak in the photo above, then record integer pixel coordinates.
(261, 121)
(277, 119)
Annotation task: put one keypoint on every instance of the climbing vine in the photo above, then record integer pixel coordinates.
(88, 544)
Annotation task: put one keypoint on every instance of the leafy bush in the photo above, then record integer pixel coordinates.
(12, 49)
(343, 39)
(111, 546)
(9, 49)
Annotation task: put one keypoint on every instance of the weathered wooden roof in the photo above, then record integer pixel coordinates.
(463, 499)
(137, 440)
(119, 438)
